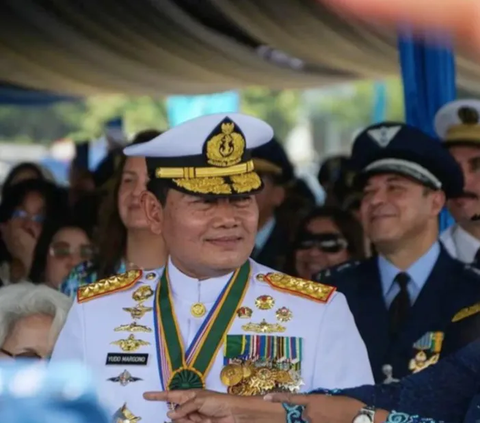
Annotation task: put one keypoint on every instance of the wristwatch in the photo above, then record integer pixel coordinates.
(365, 415)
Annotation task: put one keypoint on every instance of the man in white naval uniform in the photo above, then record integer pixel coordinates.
(458, 125)
(213, 318)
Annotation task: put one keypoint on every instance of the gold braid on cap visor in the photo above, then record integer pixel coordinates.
(212, 180)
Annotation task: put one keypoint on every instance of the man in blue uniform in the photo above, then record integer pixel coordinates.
(404, 298)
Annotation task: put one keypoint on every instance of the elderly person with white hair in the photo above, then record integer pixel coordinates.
(31, 317)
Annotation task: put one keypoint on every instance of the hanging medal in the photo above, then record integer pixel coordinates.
(187, 369)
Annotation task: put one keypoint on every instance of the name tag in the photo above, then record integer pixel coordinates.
(129, 359)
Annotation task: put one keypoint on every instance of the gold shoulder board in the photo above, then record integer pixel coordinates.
(108, 286)
(466, 312)
(300, 287)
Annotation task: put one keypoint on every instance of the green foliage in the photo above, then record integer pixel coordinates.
(348, 108)
(279, 108)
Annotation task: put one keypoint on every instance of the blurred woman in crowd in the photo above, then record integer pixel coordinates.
(22, 172)
(58, 251)
(31, 318)
(124, 240)
(326, 237)
(25, 208)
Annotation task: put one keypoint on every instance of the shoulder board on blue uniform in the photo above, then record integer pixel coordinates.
(107, 286)
(300, 287)
(335, 270)
(466, 312)
(472, 270)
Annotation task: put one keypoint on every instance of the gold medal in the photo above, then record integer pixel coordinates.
(142, 293)
(264, 302)
(247, 370)
(151, 276)
(198, 310)
(284, 314)
(283, 378)
(231, 374)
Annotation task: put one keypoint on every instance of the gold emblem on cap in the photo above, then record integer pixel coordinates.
(468, 115)
(244, 313)
(130, 344)
(138, 311)
(142, 293)
(264, 302)
(198, 310)
(263, 327)
(231, 374)
(284, 314)
(132, 327)
(225, 148)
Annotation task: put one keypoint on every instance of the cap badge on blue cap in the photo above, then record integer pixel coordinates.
(468, 115)
(227, 147)
(383, 135)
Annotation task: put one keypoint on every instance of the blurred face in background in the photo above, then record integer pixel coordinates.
(133, 183)
(321, 245)
(25, 174)
(268, 199)
(464, 208)
(70, 246)
(26, 221)
(28, 338)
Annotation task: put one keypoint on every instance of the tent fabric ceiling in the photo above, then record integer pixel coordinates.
(157, 47)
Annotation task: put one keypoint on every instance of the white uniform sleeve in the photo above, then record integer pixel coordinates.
(342, 356)
(70, 345)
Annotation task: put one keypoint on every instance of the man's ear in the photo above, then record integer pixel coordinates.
(438, 202)
(278, 195)
(153, 212)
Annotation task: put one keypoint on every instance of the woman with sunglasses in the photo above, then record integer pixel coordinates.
(30, 320)
(58, 251)
(25, 209)
(326, 237)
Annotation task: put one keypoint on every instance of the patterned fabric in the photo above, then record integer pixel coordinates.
(395, 417)
(294, 413)
(83, 274)
(444, 392)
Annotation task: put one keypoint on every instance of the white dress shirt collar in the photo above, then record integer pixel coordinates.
(191, 289)
(466, 244)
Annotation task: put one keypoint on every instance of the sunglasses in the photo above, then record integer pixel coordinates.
(22, 214)
(327, 242)
(32, 355)
(63, 250)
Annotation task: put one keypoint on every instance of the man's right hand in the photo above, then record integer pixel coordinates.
(197, 406)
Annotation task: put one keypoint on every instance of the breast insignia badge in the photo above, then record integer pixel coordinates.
(138, 311)
(142, 294)
(124, 415)
(124, 378)
(284, 315)
(264, 327)
(132, 327)
(264, 302)
(130, 344)
(428, 349)
(244, 313)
